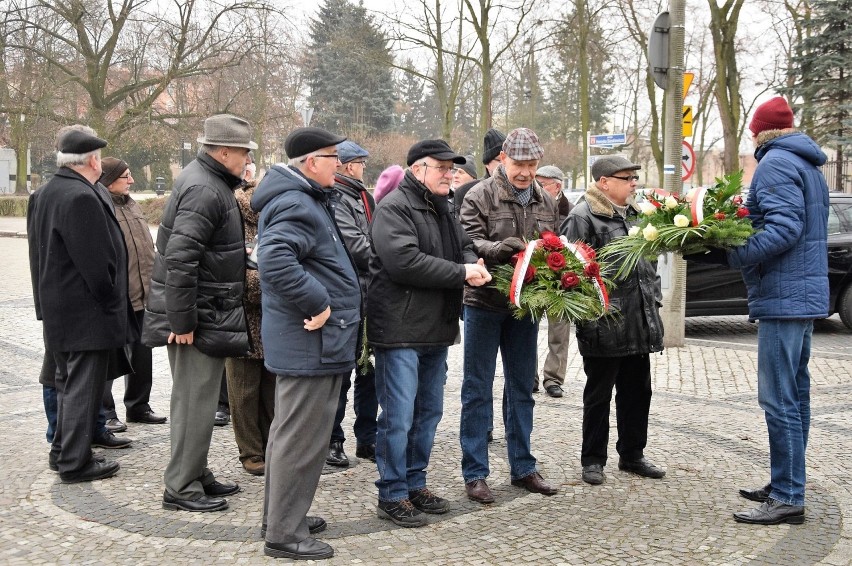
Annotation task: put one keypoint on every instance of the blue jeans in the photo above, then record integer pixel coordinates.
(410, 387)
(783, 391)
(485, 332)
(51, 407)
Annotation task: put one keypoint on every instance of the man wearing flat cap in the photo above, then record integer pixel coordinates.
(311, 312)
(550, 177)
(616, 352)
(500, 214)
(78, 265)
(421, 262)
(195, 305)
(354, 213)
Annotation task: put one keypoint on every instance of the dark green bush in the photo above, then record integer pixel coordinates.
(153, 209)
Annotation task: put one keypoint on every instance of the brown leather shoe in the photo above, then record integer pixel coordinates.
(255, 465)
(478, 491)
(536, 484)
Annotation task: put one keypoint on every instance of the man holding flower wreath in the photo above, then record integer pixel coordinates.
(616, 349)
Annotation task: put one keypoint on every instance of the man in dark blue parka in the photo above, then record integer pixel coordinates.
(311, 310)
(785, 268)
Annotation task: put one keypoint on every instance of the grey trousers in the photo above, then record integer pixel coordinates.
(556, 363)
(196, 378)
(298, 443)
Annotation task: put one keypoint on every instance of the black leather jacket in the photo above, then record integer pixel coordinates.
(636, 326)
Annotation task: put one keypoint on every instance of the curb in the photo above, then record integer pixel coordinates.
(11, 234)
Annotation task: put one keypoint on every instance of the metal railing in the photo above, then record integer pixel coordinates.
(829, 169)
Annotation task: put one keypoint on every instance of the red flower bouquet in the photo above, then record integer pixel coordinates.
(556, 277)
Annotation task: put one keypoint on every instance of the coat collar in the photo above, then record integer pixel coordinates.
(602, 206)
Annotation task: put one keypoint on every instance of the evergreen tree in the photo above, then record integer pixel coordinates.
(822, 71)
(352, 88)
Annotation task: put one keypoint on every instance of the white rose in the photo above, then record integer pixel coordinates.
(633, 231)
(681, 221)
(671, 202)
(647, 208)
(650, 232)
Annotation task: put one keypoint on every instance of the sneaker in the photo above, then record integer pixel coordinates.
(403, 513)
(109, 440)
(115, 425)
(428, 502)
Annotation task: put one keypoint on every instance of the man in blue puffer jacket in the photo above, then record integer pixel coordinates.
(785, 268)
(311, 310)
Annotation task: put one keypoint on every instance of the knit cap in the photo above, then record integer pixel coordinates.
(492, 145)
(774, 114)
(112, 168)
(388, 181)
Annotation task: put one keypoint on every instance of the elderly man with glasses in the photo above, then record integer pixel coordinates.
(616, 352)
(421, 262)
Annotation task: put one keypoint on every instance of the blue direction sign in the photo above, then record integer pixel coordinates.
(607, 139)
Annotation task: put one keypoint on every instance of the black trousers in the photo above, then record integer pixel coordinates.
(80, 379)
(631, 377)
(137, 385)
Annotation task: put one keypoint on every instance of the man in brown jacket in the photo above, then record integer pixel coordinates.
(116, 177)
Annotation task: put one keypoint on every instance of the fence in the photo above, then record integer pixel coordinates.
(830, 172)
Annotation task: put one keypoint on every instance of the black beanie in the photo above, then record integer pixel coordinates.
(492, 146)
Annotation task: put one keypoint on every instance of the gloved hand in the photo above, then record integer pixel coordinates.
(508, 248)
(713, 255)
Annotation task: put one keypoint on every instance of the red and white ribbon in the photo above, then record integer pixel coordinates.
(697, 205)
(520, 273)
(581, 252)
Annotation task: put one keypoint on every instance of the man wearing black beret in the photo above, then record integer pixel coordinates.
(79, 277)
(311, 311)
(422, 259)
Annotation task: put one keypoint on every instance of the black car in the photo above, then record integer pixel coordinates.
(716, 290)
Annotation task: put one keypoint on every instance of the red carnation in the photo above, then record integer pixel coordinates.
(569, 280)
(588, 250)
(556, 261)
(530, 275)
(593, 269)
(719, 216)
(738, 199)
(516, 258)
(742, 212)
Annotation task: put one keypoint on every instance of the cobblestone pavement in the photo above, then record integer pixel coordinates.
(706, 429)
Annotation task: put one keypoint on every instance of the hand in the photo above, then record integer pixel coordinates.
(508, 248)
(476, 274)
(316, 322)
(181, 338)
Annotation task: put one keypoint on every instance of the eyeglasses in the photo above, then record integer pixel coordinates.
(334, 155)
(628, 178)
(125, 177)
(442, 169)
(361, 162)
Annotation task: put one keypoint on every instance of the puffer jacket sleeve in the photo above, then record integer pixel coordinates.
(288, 237)
(197, 216)
(396, 242)
(778, 197)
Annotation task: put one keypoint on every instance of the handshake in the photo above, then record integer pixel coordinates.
(476, 274)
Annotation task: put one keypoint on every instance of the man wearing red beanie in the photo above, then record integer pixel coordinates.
(785, 268)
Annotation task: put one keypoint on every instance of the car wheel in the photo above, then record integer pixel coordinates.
(844, 307)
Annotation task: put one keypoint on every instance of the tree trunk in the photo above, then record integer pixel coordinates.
(723, 27)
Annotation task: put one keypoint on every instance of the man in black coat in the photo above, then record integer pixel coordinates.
(78, 264)
(195, 305)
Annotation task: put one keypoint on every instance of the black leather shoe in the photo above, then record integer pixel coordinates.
(772, 512)
(115, 425)
(219, 489)
(336, 455)
(94, 470)
(760, 494)
(366, 451)
(641, 467)
(315, 525)
(203, 504)
(51, 461)
(109, 440)
(593, 474)
(308, 549)
(222, 418)
(534, 483)
(147, 417)
(535, 386)
(553, 390)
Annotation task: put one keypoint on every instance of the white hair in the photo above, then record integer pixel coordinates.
(299, 162)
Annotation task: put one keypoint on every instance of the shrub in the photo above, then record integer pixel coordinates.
(153, 209)
(13, 206)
